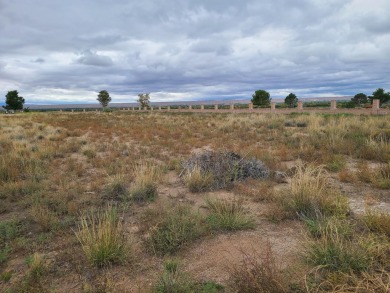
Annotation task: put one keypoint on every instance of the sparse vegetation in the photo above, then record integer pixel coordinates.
(158, 169)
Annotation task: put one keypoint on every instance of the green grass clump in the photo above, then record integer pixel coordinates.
(228, 215)
(175, 229)
(102, 238)
(336, 250)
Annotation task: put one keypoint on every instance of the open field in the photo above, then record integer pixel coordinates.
(113, 202)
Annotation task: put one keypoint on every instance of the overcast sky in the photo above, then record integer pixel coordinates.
(66, 51)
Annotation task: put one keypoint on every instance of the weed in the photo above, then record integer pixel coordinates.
(101, 236)
(228, 215)
(258, 273)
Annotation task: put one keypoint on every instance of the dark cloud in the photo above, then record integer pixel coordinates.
(94, 59)
(39, 60)
(193, 49)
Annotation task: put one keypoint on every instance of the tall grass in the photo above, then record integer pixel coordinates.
(311, 195)
(146, 178)
(102, 237)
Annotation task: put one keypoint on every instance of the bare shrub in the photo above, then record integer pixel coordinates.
(224, 167)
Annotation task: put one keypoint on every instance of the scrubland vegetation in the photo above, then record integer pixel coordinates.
(102, 202)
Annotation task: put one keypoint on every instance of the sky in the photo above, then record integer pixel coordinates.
(55, 51)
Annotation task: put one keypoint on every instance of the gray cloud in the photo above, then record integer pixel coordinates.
(193, 49)
(90, 58)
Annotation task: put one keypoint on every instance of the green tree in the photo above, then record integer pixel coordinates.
(380, 95)
(13, 101)
(104, 98)
(261, 98)
(291, 100)
(359, 99)
(144, 100)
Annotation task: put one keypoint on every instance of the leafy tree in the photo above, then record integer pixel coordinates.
(13, 101)
(261, 98)
(291, 100)
(381, 96)
(104, 98)
(359, 99)
(144, 100)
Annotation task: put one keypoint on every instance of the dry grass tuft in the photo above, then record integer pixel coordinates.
(101, 235)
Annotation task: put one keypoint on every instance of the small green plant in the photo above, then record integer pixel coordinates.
(174, 280)
(101, 235)
(8, 230)
(175, 229)
(228, 215)
(36, 265)
(4, 253)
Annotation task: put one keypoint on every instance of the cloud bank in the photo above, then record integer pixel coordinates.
(55, 51)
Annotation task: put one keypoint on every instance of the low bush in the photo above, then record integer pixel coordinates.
(222, 169)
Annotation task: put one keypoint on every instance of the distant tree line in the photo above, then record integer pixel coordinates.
(262, 98)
